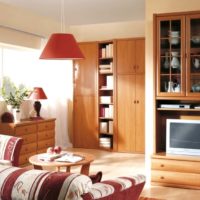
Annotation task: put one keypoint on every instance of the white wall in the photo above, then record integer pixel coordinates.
(98, 32)
(157, 6)
(24, 20)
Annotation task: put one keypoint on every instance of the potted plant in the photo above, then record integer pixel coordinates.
(13, 96)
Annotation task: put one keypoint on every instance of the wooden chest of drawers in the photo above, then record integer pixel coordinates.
(184, 171)
(38, 135)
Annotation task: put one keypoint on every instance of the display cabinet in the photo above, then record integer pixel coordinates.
(177, 93)
(178, 55)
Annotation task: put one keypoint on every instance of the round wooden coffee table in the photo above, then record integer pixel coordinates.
(84, 163)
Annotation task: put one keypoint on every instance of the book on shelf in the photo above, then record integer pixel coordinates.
(103, 52)
(105, 66)
(107, 51)
(110, 127)
(104, 71)
(103, 127)
(105, 99)
(109, 81)
(105, 142)
(106, 111)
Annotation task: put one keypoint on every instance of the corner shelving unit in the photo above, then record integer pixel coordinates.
(106, 95)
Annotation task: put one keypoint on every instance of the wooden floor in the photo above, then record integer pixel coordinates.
(124, 164)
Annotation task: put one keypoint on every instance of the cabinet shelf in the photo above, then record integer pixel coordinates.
(179, 109)
(106, 133)
(106, 73)
(106, 89)
(107, 58)
(106, 103)
(108, 118)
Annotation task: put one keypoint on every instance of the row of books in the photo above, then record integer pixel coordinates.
(106, 68)
(107, 51)
(106, 111)
(105, 142)
(109, 82)
(106, 127)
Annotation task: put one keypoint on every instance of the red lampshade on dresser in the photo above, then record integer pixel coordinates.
(36, 94)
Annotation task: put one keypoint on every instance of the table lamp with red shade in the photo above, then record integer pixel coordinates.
(36, 94)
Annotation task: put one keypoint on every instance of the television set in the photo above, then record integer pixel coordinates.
(183, 137)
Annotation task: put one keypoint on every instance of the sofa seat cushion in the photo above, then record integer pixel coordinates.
(16, 183)
(108, 188)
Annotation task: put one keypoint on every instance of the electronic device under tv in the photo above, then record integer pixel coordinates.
(183, 137)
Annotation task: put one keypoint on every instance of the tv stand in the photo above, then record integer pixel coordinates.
(176, 171)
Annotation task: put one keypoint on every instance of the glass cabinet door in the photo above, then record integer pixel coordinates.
(193, 55)
(170, 52)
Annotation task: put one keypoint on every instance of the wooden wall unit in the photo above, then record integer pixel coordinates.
(85, 103)
(38, 135)
(130, 56)
(177, 82)
(130, 95)
(122, 62)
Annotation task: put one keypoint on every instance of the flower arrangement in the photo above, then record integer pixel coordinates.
(12, 94)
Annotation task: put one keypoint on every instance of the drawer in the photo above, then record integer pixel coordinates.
(30, 138)
(46, 126)
(46, 143)
(28, 129)
(44, 135)
(175, 178)
(176, 165)
(28, 148)
(24, 159)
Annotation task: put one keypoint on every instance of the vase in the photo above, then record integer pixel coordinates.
(9, 108)
(17, 115)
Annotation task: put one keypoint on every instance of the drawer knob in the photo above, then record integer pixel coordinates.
(162, 165)
(162, 177)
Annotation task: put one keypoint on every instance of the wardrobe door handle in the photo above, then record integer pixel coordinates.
(137, 101)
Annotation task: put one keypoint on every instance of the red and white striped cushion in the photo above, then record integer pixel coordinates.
(19, 184)
(106, 188)
(9, 148)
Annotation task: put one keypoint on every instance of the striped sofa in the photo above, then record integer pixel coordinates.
(30, 184)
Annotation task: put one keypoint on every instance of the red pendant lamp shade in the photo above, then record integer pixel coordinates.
(61, 46)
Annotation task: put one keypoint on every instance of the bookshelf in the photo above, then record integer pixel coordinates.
(106, 94)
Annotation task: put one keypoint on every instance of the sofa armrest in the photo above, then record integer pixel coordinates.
(122, 188)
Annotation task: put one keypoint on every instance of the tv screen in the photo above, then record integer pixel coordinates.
(183, 136)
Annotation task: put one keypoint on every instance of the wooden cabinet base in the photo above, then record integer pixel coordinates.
(176, 172)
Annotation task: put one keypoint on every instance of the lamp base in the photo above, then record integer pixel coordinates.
(37, 106)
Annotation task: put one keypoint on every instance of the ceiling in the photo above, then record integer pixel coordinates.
(80, 12)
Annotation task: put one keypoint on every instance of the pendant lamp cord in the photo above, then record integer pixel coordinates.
(62, 15)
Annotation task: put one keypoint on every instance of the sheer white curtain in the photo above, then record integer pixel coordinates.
(55, 77)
